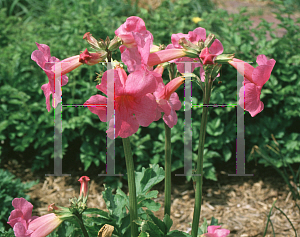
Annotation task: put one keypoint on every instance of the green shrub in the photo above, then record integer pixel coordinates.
(26, 125)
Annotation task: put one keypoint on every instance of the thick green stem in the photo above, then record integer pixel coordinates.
(80, 221)
(131, 186)
(199, 179)
(167, 170)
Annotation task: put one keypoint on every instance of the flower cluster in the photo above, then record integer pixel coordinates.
(141, 96)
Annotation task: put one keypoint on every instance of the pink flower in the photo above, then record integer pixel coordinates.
(214, 231)
(137, 42)
(207, 57)
(165, 56)
(126, 31)
(44, 225)
(134, 104)
(167, 99)
(254, 79)
(21, 217)
(43, 58)
(84, 186)
(193, 36)
(51, 64)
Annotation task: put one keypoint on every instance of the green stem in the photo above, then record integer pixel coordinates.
(167, 170)
(199, 179)
(131, 186)
(80, 221)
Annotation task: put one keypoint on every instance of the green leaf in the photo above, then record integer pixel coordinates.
(150, 204)
(226, 153)
(168, 222)
(96, 211)
(115, 204)
(213, 221)
(215, 127)
(177, 233)
(203, 227)
(149, 177)
(144, 234)
(160, 224)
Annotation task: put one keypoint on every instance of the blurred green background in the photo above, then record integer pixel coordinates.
(26, 128)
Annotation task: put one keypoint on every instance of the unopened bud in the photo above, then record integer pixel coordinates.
(114, 43)
(209, 40)
(91, 40)
(186, 44)
(224, 58)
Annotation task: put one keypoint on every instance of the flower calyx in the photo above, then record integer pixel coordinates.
(209, 40)
(188, 45)
(114, 44)
(92, 41)
(224, 58)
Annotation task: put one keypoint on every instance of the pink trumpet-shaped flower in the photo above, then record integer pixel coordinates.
(132, 25)
(84, 186)
(133, 102)
(44, 225)
(254, 79)
(50, 65)
(214, 231)
(167, 99)
(21, 217)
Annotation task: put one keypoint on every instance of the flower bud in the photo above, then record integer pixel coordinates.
(224, 58)
(84, 187)
(209, 40)
(114, 44)
(91, 40)
(189, 45)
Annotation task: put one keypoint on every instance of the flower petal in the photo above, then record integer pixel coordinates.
(97, 104)
(145, 110)
(252, 101)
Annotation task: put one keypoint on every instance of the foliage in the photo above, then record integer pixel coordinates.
(24, 119)
(118, 206)
(10, 188)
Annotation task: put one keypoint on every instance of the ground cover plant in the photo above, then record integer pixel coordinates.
(23, 126)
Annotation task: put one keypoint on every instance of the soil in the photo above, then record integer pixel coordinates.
(242, 204)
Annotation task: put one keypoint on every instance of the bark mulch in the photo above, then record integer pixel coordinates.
(241, 203)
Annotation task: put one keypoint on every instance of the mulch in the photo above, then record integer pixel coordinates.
(242, 204)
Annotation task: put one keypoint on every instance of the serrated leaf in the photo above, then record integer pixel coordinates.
(149, 177)
(115, 204)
